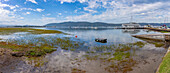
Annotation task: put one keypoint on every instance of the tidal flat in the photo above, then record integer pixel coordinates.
(21, 48)
(52, 51)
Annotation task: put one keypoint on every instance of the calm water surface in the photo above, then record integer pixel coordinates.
(113, 36)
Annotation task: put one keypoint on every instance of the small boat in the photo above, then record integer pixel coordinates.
(101, 40)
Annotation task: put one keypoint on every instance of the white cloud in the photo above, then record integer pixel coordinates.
(46, 20)
(91, 4)
(146, 7)
(33, 1)
(75, 11)
(82, 1)
(117, 11)
(39, 10)
(90, 10)
(8, 17)
(45, 0)
(10, 6)
(59, 13)
(21, 17)
(4, 12)
(27, 13)
(6, 0)
(69, 1)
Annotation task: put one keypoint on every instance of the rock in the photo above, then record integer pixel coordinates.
(17, 54)
(1, 51)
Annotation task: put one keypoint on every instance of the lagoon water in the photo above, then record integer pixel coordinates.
(113, 36)
(88, 59)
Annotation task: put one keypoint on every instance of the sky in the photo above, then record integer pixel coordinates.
(41, 12)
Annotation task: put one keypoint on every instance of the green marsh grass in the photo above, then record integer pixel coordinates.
(39, 46)
(27, 49)
(7, 31)
(165, 65)
(164, 32)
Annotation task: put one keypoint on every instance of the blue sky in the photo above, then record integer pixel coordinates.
(41, 12)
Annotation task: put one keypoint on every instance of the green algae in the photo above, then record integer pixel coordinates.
(72, 49)
(158, 44)
(106, 53)
(88, 57)
(139, 44)
(76, 70)
(121, 66)
(116, 52)
(36, 61)
(118, 57)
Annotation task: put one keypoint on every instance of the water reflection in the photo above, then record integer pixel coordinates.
(105, 59)
(113, 36)
(131, 31)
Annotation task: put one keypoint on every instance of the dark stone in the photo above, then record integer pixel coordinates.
(17, 54)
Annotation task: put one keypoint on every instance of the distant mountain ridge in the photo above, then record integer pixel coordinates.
(85, 24)
(20, 26)
(82, 24)
(95, 24)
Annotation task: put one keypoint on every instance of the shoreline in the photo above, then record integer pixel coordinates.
(158, 69)
(158, 37)
(155, 37)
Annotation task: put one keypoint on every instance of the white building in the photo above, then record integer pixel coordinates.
(131, 25)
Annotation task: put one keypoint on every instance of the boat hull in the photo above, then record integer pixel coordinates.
(101, 40)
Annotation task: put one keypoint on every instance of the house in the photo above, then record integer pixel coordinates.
(131, 25)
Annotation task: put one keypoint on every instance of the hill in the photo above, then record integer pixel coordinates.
(95, 24)
(82, 24)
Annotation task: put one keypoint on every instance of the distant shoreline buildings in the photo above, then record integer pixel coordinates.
(131, 25)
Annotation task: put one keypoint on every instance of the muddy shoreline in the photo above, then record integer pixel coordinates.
(8, 62)
(147, 63)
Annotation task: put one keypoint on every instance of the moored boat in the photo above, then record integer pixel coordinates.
(101, 40)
